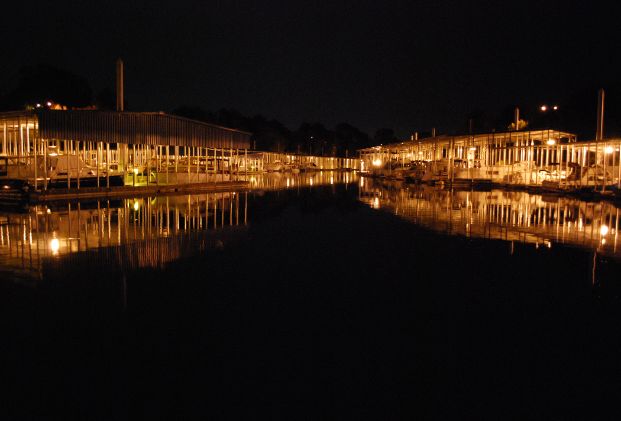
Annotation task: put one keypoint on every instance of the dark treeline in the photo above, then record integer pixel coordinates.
(309, 138)
(576, 113)
(41, 83)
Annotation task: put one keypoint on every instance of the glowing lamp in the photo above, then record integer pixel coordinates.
(608, 149)
(54, 245)
(543, 108)
(377, 162)
(551, 142)
(603, 230)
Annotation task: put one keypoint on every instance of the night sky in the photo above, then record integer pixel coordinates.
(407, 65)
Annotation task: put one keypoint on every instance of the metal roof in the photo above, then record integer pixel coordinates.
(507, 135)
(137, 128)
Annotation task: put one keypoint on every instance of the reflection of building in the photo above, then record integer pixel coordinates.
(127, 234)
(518, 157)
(288, 180)
(88, 147)
(511, 216)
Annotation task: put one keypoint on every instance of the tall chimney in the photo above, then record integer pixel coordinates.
(120, 96)
(599, 134)
(516, 118)
(433, 132)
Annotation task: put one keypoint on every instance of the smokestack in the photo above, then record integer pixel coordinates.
(433, 132)
(599, 133)
(120, 95)
(516, 118)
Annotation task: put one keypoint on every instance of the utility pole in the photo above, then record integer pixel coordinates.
(516, 118)
(599, 133)
(599, 136)
(120, 94)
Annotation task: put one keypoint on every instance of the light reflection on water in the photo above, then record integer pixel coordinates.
(135, 233)
(141, 232)
(507, 215)
(288, 180)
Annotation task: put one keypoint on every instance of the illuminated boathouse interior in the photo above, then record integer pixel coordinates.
(74, 148)
(530, 158)
(88, 148)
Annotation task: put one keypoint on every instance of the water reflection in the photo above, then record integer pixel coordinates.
(289, 180)
(511, 216)
(43, 241)
(128, 233)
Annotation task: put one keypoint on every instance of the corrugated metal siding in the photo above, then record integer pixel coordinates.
(137, 128)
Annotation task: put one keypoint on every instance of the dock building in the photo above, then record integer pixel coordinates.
(75, 148)
(529, 158)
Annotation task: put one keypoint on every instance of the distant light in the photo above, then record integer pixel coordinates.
(48, 211)
(377, 162)
(543, 108)
(38, 105)
(49, 103)
(473, 148)
(136, 206)
(136, 171)
(54, 245)
(603, 241)
(555, 107)
(603, 230)
(551, 142)
(609, 149)
(6, 187)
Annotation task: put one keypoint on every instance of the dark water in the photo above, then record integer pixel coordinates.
(308, 303)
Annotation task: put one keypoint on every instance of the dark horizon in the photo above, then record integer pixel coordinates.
(409, 67)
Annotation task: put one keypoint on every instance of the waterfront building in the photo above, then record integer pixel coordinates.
(78, 148)
(537, 157)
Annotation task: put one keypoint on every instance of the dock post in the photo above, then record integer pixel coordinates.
(78, 164)
(107, 164)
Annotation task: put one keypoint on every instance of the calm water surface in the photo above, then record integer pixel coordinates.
(317, 297)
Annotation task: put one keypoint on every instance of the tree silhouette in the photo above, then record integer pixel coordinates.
(42, 83)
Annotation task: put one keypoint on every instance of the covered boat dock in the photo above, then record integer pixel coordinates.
(90, 148)
(543, 158)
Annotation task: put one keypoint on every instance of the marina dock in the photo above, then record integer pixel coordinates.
(538, 160)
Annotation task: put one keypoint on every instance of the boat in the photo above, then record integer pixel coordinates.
(275, 166)
(308, 167)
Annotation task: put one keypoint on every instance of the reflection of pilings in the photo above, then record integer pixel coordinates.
(155, 252)
(43, 233)
(511, 216)
(280, 181)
